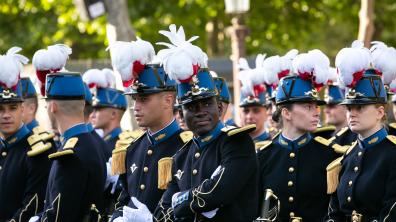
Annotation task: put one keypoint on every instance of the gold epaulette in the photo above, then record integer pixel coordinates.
(186, 136)
(391, 138)
(393, 125)
(340, 149)
(45, 135)
(164, 172)
(232, 130)
(119, 153)
(262, 144)
(37, 145)
(67, 149)
(333, 171)
(322, 140)
(351, 148)
(324, 129)
(127, 134)
(342, 131)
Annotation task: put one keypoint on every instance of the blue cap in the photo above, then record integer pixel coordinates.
(368, 90)
(64, 86)
(109, 97)
(27, 87)
(294, 89)
(88, 95)
(222, 88)
(259, 99)
(152, 79)
(201, 86)
(334, 95)
(11, 95)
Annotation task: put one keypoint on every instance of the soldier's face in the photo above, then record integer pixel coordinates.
(303, 116)
(335, 114)
(149, 110)
(254, 115)
(202, 116)
(364, 119)
(10, 118)
(102, 117)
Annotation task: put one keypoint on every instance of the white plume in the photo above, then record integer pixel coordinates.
(180, 56)
(314, 64)
(52, 58)
(110, 78)
(247, 85)
(276, 64)
(95, 78)
(352, 60)
(384, 60)
(11, 66)
(125, 54)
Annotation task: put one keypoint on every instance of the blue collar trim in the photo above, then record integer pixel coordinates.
(202, 141)
(21, 133)
(113, 134)
(373, 139)
(90, 127)
(295, 144)
(164, 134)
(73, 131)
(262, 137)
(32, 125)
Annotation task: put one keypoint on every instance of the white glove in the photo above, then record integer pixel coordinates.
(120, 219)
(110, 179)
(34, 219)
(141, 214)
(210, 214)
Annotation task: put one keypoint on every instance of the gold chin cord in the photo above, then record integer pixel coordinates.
(271, 207)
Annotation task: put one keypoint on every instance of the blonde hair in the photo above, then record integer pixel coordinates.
(70, 107)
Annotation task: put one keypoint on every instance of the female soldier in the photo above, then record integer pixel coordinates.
(293, 166)
(366, 188)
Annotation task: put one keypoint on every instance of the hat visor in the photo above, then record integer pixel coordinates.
(147, 91)
(109, 106)
(190, 99)
(364, 101)
(11, 100)
(301, 100)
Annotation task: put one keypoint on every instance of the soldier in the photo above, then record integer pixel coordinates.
(367, 177)
(24, 163)
(203, 185)
(143, 162)
(224, 96)
(335, 115)
(294, 164)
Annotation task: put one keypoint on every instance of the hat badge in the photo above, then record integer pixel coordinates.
(7, 94)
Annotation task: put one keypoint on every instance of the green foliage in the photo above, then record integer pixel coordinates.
(275, 25)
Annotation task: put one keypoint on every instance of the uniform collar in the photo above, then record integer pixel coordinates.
(202, 141)
(373, 139)
(113, 134)
(32, 125)
(164, 133)
(16, 137)
(90, 127)
(295, 144)
(262, 137)
(73, 131)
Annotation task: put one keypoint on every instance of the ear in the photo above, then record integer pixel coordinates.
(220, 107)
(286, 115)
(381, 112)
(53, 106)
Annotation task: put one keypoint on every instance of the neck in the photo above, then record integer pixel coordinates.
(370, 131)
(292, 133)
(110, 127)
(66, 122)
(341, 125)
(162, 124)
(29, 119)
(256, 133)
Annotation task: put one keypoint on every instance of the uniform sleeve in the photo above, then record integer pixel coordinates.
(123, 198)
(238, 164)
(388, 211)
(36, 182)
(164, 210)
(67, 190)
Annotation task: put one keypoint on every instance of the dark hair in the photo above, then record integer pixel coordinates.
(277, 114)
(88, 109)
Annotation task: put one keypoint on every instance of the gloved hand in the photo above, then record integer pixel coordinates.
(34, 219)
(120, 219)
(110, 179)
(141, 214)
(212, 213)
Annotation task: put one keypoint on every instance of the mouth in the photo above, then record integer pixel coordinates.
(202, 122)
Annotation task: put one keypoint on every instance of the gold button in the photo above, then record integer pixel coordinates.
(292, 155)
(4, 154)
(360, 153)
(195, 172)
(349, 199)
(145, 169)
(291, 199)
(291, 214)
(197, 155)
(350, 183)
(142, 187)
(149, 152)
(290, 183)
(356, 169)
(291, 169)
